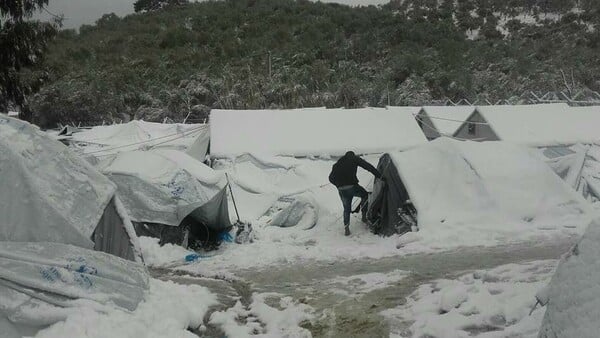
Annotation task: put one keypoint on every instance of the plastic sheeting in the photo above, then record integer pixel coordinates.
(294, 211)
(578, 165)
(47, 193)
(39, 282)
(165, 186)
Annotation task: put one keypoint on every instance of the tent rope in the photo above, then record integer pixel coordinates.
(451, 120)
(447, 135)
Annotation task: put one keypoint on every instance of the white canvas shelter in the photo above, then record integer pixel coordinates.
(439, 121)
(56, 209)
(106, 141)
(49, 194)
(454, 182)
(313, 132)
(165, 186)
(573, 294)
(533, 125)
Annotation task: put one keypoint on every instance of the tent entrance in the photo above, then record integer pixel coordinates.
(389, 213)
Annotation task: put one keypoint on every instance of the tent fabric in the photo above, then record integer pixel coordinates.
(106, 141)
(454, 182)
(574, 291)
(165, 186)
(313, 132)
(49, 194)
(114, 232)
(40, 281)
(386, 199)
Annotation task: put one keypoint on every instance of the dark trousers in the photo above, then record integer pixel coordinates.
(347, 193)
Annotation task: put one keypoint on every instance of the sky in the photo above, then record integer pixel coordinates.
(78, 12)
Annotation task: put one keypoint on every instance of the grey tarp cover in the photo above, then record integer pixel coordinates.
(40, 281)
(573, 307)
(48, 193)
(165, 186)
(385, 201)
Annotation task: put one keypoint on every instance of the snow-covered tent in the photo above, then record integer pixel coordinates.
(532, 125)
(49, 194)
(439, 121)
(105, 141)
(573, 294)
(578, 165)
(168, 189)
(56, 210)
(452, 182)
(313, 132)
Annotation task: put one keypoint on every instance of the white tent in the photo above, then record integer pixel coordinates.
(439, 121)
(165, 186)
(452, 182)
(55, 208)
(573, 294)
(47, 193)
(105, 141)
(532, 125)
(313, 132)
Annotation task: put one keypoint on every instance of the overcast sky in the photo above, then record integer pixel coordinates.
(78, 12)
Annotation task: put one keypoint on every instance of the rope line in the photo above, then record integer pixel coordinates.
(451, 120)
(448, 135)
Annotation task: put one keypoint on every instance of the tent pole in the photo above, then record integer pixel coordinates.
(233, 199)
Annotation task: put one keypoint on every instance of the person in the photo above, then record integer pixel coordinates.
(343, 176)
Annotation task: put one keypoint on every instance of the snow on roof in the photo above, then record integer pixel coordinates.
(453, 182)
(447, 119)
(134, 135)
(541, 124)
(13, 113)
(314, 131)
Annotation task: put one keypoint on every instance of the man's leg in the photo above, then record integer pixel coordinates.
(359, 191)
(347, 203)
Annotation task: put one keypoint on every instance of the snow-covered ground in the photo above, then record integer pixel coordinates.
(484, 303)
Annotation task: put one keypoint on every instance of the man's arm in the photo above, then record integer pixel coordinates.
(367, 166)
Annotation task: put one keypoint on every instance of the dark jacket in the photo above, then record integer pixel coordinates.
(344, 170)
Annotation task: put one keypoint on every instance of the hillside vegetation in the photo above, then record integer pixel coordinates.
(181, 61)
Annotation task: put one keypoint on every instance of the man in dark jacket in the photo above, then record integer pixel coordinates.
(343, 176)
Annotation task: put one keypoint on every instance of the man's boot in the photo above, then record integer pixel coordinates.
(347, 230)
